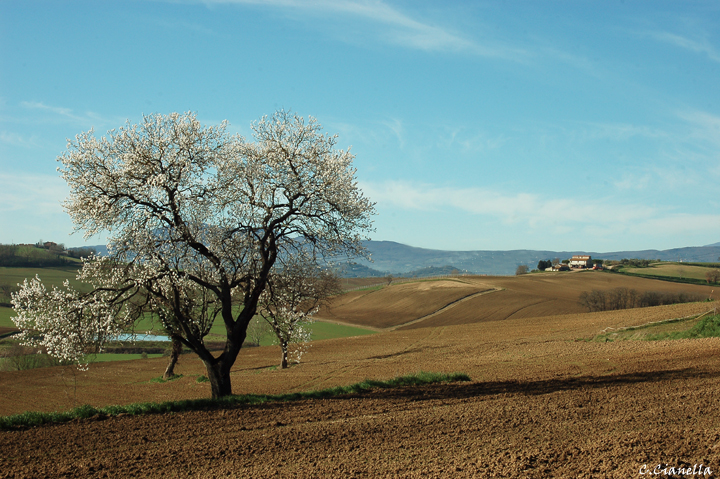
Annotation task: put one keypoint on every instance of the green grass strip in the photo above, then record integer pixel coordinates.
(707, 327)
(31, 419)
(670, 279)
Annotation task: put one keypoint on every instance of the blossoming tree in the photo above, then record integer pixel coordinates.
(293, 294)
(197, 219)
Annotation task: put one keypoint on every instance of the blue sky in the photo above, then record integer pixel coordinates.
(563, 125)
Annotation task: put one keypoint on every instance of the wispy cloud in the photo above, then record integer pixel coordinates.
(532, 209)
(58, 114)
(185, 26)
(698, 140)
(398, 27)
(64, 112)
(40, 195)
(619, 131)
(697, 46)
(470, 140)
(562, 221)
(16, 139)
(706, 122)
(396, 127)
(670, 178)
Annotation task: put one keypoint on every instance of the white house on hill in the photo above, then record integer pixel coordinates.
(581, 261)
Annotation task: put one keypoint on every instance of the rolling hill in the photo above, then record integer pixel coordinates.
(399, 259)
(389, 257)
(477, 299)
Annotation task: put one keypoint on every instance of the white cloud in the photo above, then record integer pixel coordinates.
(535, 221)
(396, 127)
(66, 114)
(473, 141)
(398, 27)
(706, 125)
(531, 209)
(633, 182)
(38, 195)
(15, 139)
(185, 26)
(678, 223)
(683, 42)
(619, 131)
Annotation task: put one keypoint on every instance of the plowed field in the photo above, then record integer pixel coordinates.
(526, 296)
(398, 304)
(543, 403)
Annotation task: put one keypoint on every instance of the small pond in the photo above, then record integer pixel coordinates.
(142, 337)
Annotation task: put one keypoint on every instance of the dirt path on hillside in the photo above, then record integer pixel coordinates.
(444, 309)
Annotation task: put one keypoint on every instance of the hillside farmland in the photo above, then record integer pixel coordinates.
(473, 299)
(545, 401)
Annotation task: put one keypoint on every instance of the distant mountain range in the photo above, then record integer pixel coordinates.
(398, 259)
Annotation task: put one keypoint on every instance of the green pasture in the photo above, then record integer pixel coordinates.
(323, 330)
(50, 276)
(105, 357)
(320, 330)
(5, 315)
(672, 270)
(149, 323)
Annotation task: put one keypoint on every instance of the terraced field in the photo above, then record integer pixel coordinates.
(544, 400)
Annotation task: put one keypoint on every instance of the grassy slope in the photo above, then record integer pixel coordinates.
(701, 326)
(105, 357)
(56, 276)
(5, 315)
(50, 276)
(672, 270)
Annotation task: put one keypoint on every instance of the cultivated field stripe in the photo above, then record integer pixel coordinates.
(444, 308)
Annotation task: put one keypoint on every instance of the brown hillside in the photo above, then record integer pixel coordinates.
(398, 303)
(541, 404)
(411, 305)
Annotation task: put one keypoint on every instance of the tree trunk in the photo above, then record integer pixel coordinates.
(174, 356)
(284, 360)
(219, 380)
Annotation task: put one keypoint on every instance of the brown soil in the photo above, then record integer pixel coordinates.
(542, 403)
(398, 303)
(527, 296)
(7, 330)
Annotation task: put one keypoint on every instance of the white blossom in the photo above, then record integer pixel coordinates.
(293, 295)
(197, 219)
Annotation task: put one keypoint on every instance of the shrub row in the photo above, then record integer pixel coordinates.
(625, 298)
(22, 358)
